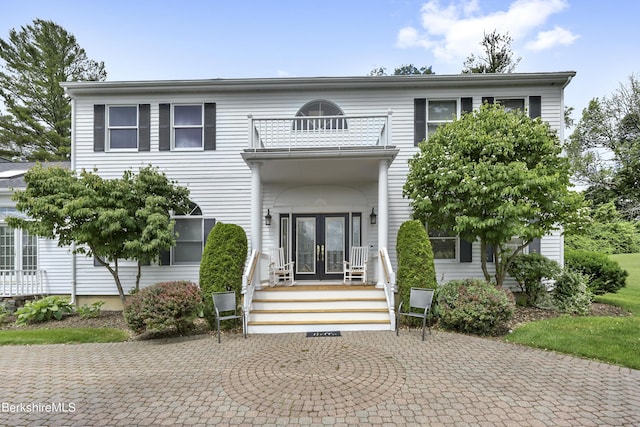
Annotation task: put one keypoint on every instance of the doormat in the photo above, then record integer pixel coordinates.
(324, 334)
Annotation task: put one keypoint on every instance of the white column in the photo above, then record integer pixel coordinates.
(256, 207)
(383, 211)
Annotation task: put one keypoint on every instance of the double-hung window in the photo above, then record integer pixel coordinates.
(188, 127)
(123, 127)
(189, 236)
(18, 249)
(440, 112)
(511, 104)
(444, 244)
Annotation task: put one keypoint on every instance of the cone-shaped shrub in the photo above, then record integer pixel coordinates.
(415, 260)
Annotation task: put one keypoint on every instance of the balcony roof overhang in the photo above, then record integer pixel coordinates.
(320, 165)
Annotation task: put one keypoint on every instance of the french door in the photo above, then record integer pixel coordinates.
(319, 245)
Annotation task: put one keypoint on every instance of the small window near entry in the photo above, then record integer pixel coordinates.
(512, 104)
(440, 112)
(187, 126)
(356, 233)
(444, 243)
(284, 235)
(123, 127)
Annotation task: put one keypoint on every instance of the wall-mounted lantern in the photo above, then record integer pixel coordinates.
(373, 217)
(267, 218)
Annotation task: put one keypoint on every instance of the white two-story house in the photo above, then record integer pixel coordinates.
(314, 166)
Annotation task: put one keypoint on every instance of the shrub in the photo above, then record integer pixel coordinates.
(571, 294)
(604, 274)
(4, 313)
(529, 270)
(222, 263)
(163, 306)
(43, 310)
(415, 260)
(474, 306)
(93, 310)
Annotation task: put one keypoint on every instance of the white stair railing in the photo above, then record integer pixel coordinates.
(15, 283)
(248, 283)
(389, 283)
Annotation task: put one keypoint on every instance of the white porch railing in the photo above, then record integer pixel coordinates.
(248, 283)
(15, 283)
(389, 283)
(325, 131)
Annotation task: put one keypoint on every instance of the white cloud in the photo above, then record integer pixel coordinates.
(453, 31)
(550, 39)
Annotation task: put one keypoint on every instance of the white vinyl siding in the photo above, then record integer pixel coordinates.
(220, 181)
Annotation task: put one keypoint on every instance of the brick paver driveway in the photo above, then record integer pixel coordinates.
(370, 378)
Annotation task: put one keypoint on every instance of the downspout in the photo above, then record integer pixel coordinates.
(73, 168)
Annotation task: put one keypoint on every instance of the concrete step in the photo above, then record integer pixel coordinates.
(314, 308)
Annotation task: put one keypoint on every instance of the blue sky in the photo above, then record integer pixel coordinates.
(189, 39)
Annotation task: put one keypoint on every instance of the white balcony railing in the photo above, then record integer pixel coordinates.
(319, 132)
(15, 283)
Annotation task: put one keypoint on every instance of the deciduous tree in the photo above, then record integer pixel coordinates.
(497, 57)
(491, 176)
(35, 59)
(109, 219)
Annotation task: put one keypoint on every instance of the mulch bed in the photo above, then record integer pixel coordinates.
(114, 319)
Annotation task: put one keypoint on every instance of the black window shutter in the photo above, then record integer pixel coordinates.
(466, 105)
(210, 126)
(165, 127)
(165, 257)
(534, 246)
(535, 106)
(144, 127)
(465, 251)
(488, 99)
(99, 132)
(209, 223)
(419, 120)
(489, 253)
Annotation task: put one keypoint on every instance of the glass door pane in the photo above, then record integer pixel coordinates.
(305, 245)
(334, 244)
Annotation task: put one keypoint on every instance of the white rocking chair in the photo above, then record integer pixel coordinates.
(357, 264)
(279, 269)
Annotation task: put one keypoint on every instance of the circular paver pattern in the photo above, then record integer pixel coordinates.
(315, 377)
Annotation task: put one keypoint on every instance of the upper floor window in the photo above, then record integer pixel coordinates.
(511, 104)
(319, 115)
(440, 112)
(123, 127)
(188, 126)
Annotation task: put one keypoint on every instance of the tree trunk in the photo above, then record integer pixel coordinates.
(138, 275)
(483, 260)
(116, 277)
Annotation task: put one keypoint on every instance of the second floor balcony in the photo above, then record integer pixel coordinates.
(333, 132)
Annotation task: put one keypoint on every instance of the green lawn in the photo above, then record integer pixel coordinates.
(610, 339)
(61, 336)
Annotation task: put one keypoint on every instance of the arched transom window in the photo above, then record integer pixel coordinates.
(321, 114)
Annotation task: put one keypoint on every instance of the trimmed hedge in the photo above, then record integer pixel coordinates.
(415, 260)
(604, 274)
(222, 264)
(474, 306)
(163, 306)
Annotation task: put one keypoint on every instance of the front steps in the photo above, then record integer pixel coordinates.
(317, 308)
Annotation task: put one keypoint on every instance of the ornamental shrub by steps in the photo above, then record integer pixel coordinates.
(162, 306)
(474, 306)
(222, 264)
(415, 260)
(604, 274)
